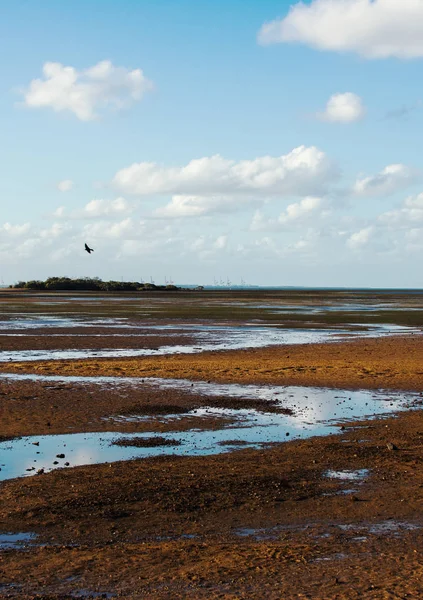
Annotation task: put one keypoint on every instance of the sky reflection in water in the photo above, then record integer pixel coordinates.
(317, 411)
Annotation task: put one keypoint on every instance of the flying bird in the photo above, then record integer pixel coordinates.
(88, 249)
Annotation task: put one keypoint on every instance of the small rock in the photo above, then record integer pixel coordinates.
(40, 471)
(60, 456)
(35, 443)
(391, 446)
(55, 462)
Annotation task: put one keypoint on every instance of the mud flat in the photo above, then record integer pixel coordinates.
(231, 526)
(393, 362)
(320, 516)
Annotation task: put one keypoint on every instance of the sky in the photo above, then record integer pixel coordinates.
(273, 142)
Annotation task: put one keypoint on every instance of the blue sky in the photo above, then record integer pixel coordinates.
(343, 210)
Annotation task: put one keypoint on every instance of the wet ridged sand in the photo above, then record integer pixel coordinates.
(393, 362)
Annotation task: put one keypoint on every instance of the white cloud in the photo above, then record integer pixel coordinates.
(33, 242)
(390, 180)
(88, 92)
(65, 186)
(221, 242)
(15, 230)
(55, 231)
(410, 212)
(207, 247)
(125, 229)
(301, 209)
(360, 238)
(305, 170)
(97, 208)
(371, 28)
(343, 108)
(295, 214)
(198, 206)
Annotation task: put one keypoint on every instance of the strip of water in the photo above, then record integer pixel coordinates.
(309, 405)
(13, 541)
(315, 411)
(207, 338)
(358, 475)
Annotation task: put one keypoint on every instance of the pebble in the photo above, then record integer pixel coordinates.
(391, 446)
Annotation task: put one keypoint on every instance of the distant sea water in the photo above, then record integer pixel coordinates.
(305, 288)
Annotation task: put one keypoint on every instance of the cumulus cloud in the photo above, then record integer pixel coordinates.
(33, 242)
(373, 29)
(97, 208)
(295, 213)
(343, 108)
(65, 186)
(207, 247)
(15, 230)
(390, 180)
(410, 212)
(88, 92)
(360, 238)
(300, 209)
(125, 229)
(305, 170)
(199, 206)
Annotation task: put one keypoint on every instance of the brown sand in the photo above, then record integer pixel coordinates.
(173, 528)
(170, 527)
(391, 362)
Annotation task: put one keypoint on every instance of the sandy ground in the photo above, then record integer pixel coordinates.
(248, 524)
(391, 363)
(39, 408)
(92, 338)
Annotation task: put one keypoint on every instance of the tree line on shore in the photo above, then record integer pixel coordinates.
(90, 284)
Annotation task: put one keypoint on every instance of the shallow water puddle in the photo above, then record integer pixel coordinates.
(206, 337)
(37, 454)
(15, 541)
(359, 531)
(90, 594)
(313, 411)
(268, 533)
(312, 407)
(24, 322)
(358, 475)
(392, 528)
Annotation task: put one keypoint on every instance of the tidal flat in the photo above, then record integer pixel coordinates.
(225, 444)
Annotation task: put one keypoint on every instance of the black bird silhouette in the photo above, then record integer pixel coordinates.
(88, 249)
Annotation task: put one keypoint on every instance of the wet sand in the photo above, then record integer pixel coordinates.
(266, 523)
(235, 526)
(391, 363)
